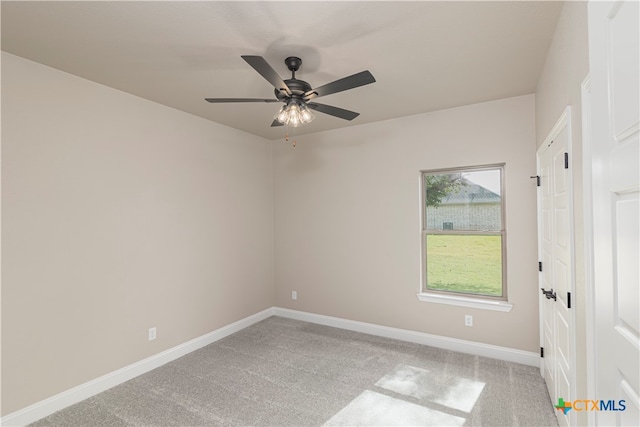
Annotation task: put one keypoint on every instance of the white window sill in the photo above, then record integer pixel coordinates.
(483, 304)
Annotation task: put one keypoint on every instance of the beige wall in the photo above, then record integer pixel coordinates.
(119, 214)
(566, 67)
(347, 219)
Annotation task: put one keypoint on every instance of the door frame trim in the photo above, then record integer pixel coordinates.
(563, 121)
(587, 204)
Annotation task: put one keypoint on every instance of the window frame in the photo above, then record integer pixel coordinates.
(464, 298)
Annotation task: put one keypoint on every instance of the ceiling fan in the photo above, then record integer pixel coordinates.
(296, 94)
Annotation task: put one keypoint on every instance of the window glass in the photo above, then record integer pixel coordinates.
(463, 231)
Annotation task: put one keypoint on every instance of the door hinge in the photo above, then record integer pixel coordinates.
(539, 265)
(566, 160)
(537, 177)
(568, 299)
(541, 351)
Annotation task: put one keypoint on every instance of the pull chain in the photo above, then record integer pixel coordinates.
(286, 138)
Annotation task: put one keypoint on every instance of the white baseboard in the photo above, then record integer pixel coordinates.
(84, 391)
(462, 346)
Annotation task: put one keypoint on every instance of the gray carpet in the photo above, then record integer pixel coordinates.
(282, 372)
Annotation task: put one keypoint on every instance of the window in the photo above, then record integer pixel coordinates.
(463, 232)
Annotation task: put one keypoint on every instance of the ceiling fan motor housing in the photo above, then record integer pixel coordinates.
(298, 87)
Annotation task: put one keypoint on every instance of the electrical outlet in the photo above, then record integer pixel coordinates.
(294, 295)
(468, 320)
(152, 333)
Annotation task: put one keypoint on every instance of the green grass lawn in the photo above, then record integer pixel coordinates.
(470, 264)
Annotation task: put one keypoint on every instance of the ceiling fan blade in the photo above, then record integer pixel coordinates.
(218, 100)
(333, 111)
(276, 123)
(265, 70)
(356, 80)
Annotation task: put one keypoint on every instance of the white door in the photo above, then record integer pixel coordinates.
(556, 275)
(614, 67)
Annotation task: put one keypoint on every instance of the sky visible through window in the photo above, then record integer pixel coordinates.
(488, 179)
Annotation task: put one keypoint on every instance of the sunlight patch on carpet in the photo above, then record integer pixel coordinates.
(448, 390)
(371, 408)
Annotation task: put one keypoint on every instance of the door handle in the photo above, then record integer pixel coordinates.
(550, 294)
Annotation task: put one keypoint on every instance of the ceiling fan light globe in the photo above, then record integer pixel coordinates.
(294, 114)
(294, 120)
(281, 115)
(293, 108)
(307, 115)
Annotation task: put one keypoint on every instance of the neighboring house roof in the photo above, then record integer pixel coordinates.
(471, 193)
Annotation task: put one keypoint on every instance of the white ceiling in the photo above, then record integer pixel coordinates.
(425, 56)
